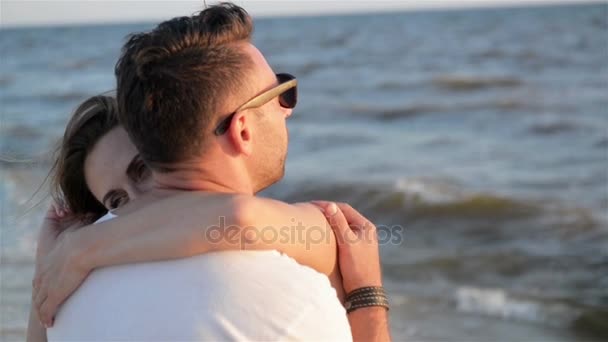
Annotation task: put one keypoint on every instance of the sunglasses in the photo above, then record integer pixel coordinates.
(286, 90)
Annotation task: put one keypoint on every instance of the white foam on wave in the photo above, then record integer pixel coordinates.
(498, 303)
(429, 191)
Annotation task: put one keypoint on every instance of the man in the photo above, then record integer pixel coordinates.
(207, 113)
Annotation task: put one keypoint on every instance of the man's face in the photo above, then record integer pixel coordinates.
(267, 162)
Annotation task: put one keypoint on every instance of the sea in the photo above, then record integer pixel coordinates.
(476, 139)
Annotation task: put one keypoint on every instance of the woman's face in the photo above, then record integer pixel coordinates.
(114, 171)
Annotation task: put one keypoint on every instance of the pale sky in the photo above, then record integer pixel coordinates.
(41, 12)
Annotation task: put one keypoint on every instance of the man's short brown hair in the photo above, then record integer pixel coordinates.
(172, 80)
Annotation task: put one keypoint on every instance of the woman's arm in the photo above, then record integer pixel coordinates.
(170, 228)
(181, 226)
(191, 224)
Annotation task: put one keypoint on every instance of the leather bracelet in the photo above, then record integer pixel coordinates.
(364, 289)
(366, 297)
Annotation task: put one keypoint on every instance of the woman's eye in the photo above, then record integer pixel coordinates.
(118, 201)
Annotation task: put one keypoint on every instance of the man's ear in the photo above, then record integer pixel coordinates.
(241, 133)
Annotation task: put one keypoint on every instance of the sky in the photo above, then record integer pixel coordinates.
(41, 12)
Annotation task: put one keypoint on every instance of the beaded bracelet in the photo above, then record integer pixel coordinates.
(365, 297)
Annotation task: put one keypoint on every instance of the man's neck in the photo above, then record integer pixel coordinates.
(199, 179)
(191, 178)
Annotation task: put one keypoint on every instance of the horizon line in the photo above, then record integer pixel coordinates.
(427, 7)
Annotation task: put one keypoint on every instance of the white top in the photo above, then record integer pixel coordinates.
(236, 295)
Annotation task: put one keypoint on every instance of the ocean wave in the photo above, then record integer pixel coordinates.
(439, 200)
(78, 64)
(16, 162)
(498, 303)
(407, 112)
(308, 68)
(591, 322)
(492, 53)
(6, 80)
(464, 83)
(600, 22)
(59, 97)
(390, 85)
(556, 127)
(392, 113)
(65, 97)
(336, 41)
(417, 109)
(479, 206)
(21, 131)
(417, 199)
(448, 205)
(602, 143)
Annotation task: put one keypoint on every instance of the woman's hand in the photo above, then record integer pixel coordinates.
(58, 270)
(359, 260)
(51, 226)
(357, 239)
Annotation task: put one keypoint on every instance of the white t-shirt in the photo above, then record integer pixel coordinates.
(235, 295)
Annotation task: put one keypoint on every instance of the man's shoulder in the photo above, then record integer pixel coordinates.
(255, 208)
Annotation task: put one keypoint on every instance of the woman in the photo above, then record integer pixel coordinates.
(73, 202)
(89, 185)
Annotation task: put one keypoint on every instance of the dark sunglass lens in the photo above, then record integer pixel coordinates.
(282, 78)
(289, 98)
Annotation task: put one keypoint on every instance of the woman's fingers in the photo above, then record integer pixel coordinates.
(36, 290)
(39, 298)
(47, 312)
(357, 243)
(321, 205)
(355, 220)
(337, 221)
(57, 276)
(44, 304)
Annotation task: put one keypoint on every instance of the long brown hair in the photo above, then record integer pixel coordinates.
(91, 120)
